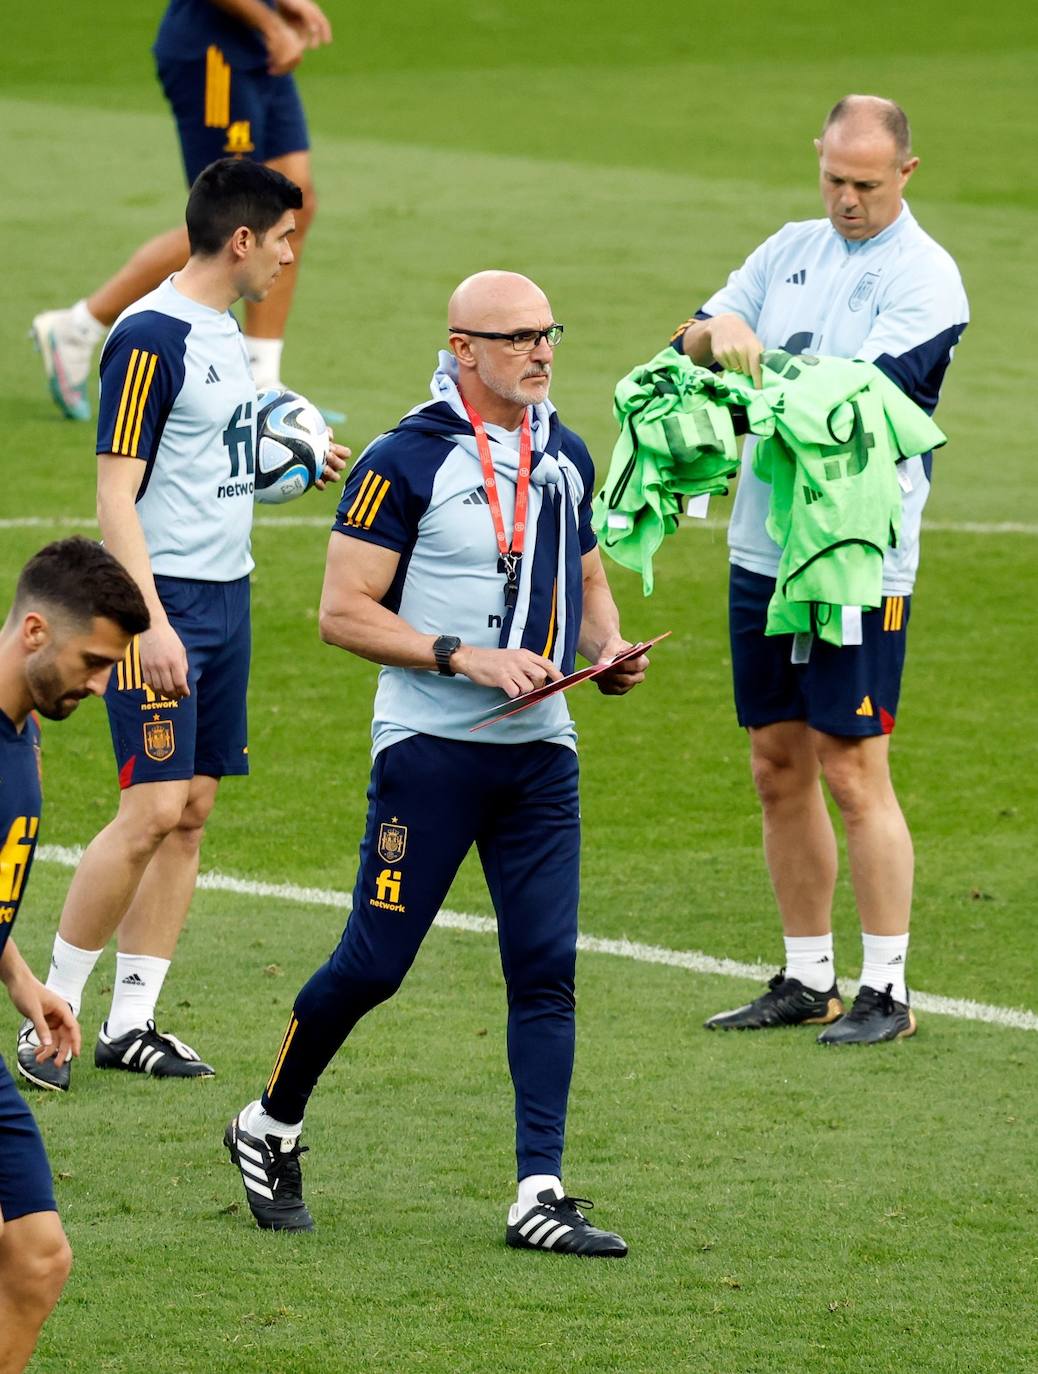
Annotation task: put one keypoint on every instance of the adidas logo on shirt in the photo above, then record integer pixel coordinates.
(211, 375)
(798, 278)
(477, 498)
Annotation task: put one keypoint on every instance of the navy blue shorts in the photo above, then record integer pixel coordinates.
(223, 111)
(26, 1185)
(161, 740)
(851, 691)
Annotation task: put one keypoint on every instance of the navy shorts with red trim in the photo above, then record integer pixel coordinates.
(157, 739)
(223, 111)
(26, 1185)
(850, 691)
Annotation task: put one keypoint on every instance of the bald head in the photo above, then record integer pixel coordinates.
(494, 300)
(501, 375)
(859, 118)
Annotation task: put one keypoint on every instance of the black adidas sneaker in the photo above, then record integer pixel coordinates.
(269, 1167)
(874, 1017)
(55, 1077)
(556, 1224)
(147, 1050)
(787, 1002)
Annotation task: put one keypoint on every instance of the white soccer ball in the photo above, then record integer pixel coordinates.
(291, 446)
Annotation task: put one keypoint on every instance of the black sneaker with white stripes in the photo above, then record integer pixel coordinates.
(151, 1051)
(57, 1078)
(269, 1167)
(557, 1224)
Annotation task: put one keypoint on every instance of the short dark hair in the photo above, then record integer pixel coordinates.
(887, 114)
(233, 192)
(83, 580)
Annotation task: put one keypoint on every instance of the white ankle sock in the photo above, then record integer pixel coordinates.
(809, 959)
(532, 1185)
(69, 970)
(265, 361)
(883, 962)
(258, 1122)
(138, 982)
(92, 330)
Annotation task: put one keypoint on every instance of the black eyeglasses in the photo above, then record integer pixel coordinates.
(522, 341)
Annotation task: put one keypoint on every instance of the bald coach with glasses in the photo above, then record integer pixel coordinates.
(462, 559)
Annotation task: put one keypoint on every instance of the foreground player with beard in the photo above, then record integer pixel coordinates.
(75, 610)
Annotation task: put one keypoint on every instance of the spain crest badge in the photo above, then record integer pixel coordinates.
(392, 841)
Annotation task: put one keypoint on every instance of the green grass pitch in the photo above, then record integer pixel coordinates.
(787, 1208)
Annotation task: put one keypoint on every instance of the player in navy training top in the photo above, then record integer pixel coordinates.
(864, 282)
(176, 454)
(422, 577)
(225, 67)
(74, 611)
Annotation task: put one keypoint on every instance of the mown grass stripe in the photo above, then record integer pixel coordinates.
(691, 960)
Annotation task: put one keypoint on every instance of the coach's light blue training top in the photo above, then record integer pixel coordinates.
(177, 394)
(895, 300)
(419, 491)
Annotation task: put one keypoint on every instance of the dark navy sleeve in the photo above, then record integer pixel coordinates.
(19, 815)
(390, 487)
(142, 372)
(573, 446)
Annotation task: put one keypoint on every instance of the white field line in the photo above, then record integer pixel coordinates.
(692, 960)
(324, 522)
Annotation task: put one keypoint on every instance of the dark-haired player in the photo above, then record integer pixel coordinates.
(225, 67)
(74, 611)
(176, 445)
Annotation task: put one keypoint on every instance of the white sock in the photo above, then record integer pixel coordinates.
(809, 959)
(534, 1184)
(92, 330)
(138, 982)
(69, 970)
(258, 1122)
(265, 361)
(883, 962)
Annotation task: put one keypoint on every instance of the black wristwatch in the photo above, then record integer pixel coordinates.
(443, 648)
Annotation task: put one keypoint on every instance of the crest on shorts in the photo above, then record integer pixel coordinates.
(863, 290)
(392, 841)
(158, 739)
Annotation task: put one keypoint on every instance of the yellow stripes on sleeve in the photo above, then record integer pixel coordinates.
(137, 383)
(217, 89)
(293, 1026)
(893, 612)
(366, 504)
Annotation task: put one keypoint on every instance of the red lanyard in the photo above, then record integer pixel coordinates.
(510, 555)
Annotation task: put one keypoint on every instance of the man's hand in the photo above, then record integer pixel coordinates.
(56, 1028)
(164, 661)
(513, 670)
(334, 464)
(616, 681)
(285, 47)
(308, 19)
(724, 339)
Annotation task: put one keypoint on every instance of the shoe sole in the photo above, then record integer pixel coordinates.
(834, 1010)
(40, 1082)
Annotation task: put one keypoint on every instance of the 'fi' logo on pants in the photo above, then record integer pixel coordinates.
(387, 886)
